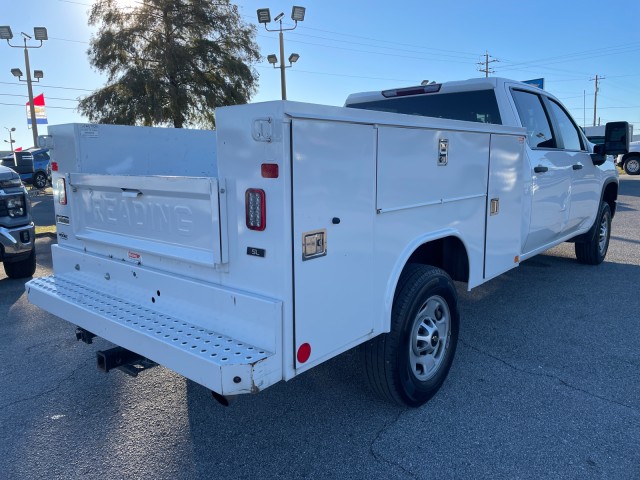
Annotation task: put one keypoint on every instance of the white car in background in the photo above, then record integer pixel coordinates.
(630, 162)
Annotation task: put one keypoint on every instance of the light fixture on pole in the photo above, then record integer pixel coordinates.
(40, 35)
(11, 141)
(264, 17)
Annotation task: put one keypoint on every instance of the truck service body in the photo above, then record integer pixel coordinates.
(294, 232)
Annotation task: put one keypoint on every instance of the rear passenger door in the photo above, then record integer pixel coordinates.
(551, 169)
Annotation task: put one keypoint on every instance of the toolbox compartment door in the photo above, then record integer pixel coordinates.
(504, 205)
(333, 209)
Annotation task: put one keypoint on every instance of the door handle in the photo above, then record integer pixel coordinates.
(577, 166)
(540, 169)
(131, 192)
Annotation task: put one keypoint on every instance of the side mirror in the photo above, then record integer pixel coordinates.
(616, 138)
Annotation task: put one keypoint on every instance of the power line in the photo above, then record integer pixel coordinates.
(48, 98)
(395, 55)
(48, 106)
(52, 86)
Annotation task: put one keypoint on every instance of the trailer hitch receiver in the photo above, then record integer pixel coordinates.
(129, 362)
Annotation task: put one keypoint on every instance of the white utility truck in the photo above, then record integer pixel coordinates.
(246, 256)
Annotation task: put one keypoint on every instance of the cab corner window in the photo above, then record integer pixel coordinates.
(534, 119)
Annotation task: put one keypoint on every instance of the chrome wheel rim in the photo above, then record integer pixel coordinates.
(633, 166)
(429, 337)
(40, 181)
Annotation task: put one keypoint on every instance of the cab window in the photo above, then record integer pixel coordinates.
(571, 139)
(534, 118)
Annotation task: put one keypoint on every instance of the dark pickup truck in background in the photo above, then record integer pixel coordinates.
(17, 230)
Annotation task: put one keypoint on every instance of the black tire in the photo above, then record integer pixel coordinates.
(39, 179)
(23, 268)
(594, 249)
(396, 363)
(632, 165)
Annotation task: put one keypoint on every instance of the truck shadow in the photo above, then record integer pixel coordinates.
(629, 186)
(536, 316)
(12, 290)
(291, 417)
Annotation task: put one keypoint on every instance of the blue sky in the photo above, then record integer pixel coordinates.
(347, 47)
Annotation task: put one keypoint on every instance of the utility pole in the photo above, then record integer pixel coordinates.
(486, 63)
(595, 96)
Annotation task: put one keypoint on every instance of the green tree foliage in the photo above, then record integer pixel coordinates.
(169, 62)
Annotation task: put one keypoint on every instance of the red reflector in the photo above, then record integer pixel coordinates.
(304, 352)
(255, 209)
(54, 166)
(270, 170)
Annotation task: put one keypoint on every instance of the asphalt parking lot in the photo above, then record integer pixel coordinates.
(545, 384)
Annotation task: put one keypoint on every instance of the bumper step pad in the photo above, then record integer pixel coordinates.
(195, 352)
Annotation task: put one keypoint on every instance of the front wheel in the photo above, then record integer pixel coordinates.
(594, 249)
(632, 165)
(410, 363)
(23, 268)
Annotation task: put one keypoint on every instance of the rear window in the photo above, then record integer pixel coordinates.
(41, 156)
(475, 106)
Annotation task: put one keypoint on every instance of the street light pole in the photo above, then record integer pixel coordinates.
(40, 34)
(32, 108)
(11, 140)
(264, 17)
(283, 81)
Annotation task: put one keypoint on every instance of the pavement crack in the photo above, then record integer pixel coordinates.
(45, 392)
(551, 376)
(378, 456)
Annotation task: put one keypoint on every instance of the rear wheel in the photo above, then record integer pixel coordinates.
(593, 251)
(40, 180)
(632, 165)
(409, 364)
(22, 268)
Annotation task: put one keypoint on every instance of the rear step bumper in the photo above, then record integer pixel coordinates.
(219, 362)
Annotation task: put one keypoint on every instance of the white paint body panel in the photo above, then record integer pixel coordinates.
(156, 222)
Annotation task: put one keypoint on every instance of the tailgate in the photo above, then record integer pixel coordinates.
(142, 218)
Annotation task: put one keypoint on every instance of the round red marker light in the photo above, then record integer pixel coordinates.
(304, 352)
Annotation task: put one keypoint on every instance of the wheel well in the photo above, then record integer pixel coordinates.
(610, 195)
(447, 253)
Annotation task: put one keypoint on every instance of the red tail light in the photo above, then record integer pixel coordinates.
(60, 191)
(256, 209)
